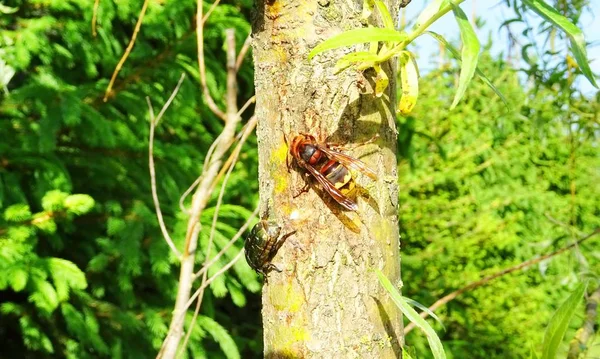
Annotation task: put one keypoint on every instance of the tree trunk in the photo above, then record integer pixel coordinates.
(326, 302)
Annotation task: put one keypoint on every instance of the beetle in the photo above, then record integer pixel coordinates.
(262, 244)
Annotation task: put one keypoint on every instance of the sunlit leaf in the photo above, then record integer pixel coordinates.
(434, 341)
(456, 55)
(409, 77)
(386, 17)
(414, 303)
(381, 81)
(573, 32)
(357, 36)
(469, 56)
(427, 13)
(560, 323)
(364, 57)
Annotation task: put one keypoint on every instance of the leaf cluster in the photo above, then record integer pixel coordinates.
(84, 270)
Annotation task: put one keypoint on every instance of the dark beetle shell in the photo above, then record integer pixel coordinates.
(262, 245)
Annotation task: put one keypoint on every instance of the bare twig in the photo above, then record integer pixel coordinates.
(210, 10)
(210, 242)
(187, 193)
(215, 276)
(138, 25)
(153, 122)
(200, 199)
(228, 245)
(200, 291)
(95, 16)
(243, 51)
(587, 330)
(487, 279)
(201, 66)
(250, 101)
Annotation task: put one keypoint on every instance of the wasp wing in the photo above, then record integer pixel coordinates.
(348, 161)
(330, 188)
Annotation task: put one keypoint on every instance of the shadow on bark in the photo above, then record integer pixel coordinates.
(389, 328)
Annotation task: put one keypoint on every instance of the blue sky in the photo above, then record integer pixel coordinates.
(493, 13)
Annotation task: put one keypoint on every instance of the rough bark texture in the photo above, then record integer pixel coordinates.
(327, 301)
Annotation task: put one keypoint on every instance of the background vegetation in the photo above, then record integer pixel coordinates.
(85, 272)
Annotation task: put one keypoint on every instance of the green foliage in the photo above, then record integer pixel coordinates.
(84, 270)
(484, 188)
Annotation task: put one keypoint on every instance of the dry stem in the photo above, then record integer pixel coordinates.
(153, 122)
(138, 25)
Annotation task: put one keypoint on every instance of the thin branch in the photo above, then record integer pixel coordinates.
(487, 279)
(95, 16)
(243, 51)
(228, 245)
(187, 193)
(210, 10)
(138, 25)
(199, 202)
(250, 101)
(208, 249)
(215, 276)
(201, 66)
(200, 291)
(153, 122)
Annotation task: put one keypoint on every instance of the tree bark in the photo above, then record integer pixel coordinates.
(326, 302)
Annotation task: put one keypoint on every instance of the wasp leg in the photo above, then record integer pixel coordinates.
(302, 190)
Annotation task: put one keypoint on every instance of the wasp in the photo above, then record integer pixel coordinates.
(262, 245)
(331, 168)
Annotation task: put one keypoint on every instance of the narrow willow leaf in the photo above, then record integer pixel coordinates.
(381, 80)
(359, 57)
(409, 77)
(414, 303)
(368, 6)
(386, 17)
(575, 34)
(560, 323)
(470, 53)
(427, 13)
(357, 36)
(456, 55)
(434, 341)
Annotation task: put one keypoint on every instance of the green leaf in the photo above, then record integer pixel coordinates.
(427, 13)
(368, 6)
(7, 9)
(54, 200)
(66, 275)
(357, 36)
(386, 17)
(560, 323)
(79, 203)
(479, 73)
(414, 303)
(470, 53)
(17, 213)
(18, 279)
(434, 341)
(364, 57)
(381, 81)
(221, 336)
(573, 32)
